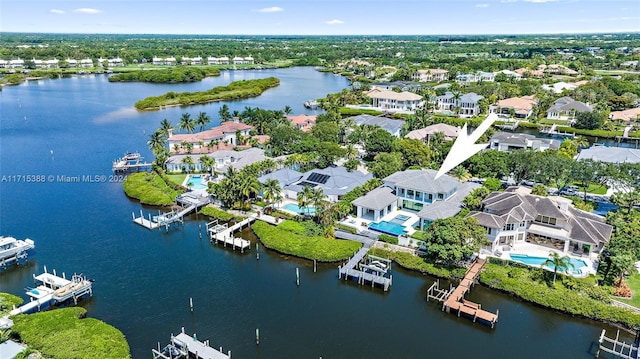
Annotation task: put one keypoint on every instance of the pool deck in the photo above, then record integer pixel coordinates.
(362, 224)
(533, 250)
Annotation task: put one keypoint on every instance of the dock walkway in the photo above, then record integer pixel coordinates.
(189, 201)
(222, 233)
(184, 345)
(617, 348)
(130, 161)
(364, 270)
(453, 298)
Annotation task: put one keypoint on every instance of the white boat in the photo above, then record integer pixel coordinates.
(11, 248)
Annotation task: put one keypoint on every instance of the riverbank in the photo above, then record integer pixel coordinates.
(288, 238)
(574, 296)
(178, 74)
(236, 90)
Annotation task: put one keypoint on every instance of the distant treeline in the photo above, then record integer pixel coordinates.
(234, 91)
(172, 75)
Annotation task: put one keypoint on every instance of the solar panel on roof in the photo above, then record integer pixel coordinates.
(307, 184)
(318, 178)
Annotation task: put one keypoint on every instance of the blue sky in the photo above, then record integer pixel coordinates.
(325, 17)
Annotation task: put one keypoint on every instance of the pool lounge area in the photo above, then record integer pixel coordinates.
(389, 228)
(294, 208)
(195, 182)
(535, 261)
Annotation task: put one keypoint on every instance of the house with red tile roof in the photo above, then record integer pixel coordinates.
(225, 133)
(522, 106)
(302, 122)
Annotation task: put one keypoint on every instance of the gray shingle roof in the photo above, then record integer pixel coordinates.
(391, 126)
(377, 199)
(450, 207)
(284, 176)
(610, 154)
(340, 180)
(422, 180)
(567, 104)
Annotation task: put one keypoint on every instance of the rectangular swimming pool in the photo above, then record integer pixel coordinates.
(538, 261)
(310, 210)
(388, 228)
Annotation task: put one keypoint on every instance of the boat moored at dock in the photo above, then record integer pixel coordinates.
(12, 249)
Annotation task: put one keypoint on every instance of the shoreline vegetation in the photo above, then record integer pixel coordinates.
(234, 91)
(178, 74)
(151, 188)
(574, 296)
(66, 333)
(289, 238)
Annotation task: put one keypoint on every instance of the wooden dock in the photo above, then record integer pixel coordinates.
(509, 126)
(222, 233)
(453, 298)
(552, 131)
(186, 346)
(129, 162)
(367, 271)
(618, 348)
(190, 202)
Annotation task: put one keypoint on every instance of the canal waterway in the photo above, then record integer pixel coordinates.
(71, 127)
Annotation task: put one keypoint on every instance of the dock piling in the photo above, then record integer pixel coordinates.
(191, 304)
(257, 336)
(297, 277)
(314, 266)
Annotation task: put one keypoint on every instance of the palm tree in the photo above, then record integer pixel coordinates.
(317, 199)
(166, 127)
(156, 141)
(351, 152)
(224, 113)
(187, 123)
(188, 162)
(202, 120)
(287, 110)
(271, 189)
(461, 174)
(249, 186)
(304, 196)
(207, 163)
(558, 263)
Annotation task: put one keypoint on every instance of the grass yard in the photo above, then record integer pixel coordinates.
(633, 282)
(594, 188)
(177, 179)
(7, 301)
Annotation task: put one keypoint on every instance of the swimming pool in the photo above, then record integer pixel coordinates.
(195, 182)
(385, 227)
(538, 261)
(297, 209)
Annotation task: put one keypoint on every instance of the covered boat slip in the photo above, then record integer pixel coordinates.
(186, 346)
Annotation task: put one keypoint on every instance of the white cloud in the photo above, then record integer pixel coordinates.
(56, 11)
(539, 1)
(87, 10)
(508, 1)
(482, 5)
(271, 9)
(334, 22)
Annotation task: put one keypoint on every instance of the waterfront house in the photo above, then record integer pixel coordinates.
(223, 160)
(431, 75)
(629, 115)
(38, 64)
(410, 86)
(516, 216)
(284, 176)
(115, 62)
(86, 63)
(302, 122)
(166, 61)
(506, 141)
(449, 132)
(191, 60)
(16, 64)
(226, 133)
(610, 154)
(466, 105)
(72, 62)
(3, 63)
(394, 127)
(335, 182)
(415, 191)
(566, 108)
(242, 60)
(223, 60)
(521, 107)
(391, 101)
(479, 76)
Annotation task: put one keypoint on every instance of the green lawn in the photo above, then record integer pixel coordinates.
(7, 301)
(633, 282)
(177, 179)
(61, 334)
(594, 188)
(286, 240)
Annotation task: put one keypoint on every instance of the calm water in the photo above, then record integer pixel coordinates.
(144, 279)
